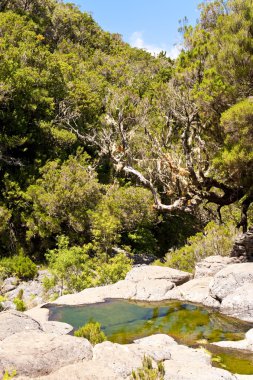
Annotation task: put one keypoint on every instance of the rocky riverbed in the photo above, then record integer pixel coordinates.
(38, 348)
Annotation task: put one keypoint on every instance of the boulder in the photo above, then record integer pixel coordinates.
(35, 353)
(9, 284)
(243, 246)
(152, 290)
(122, 359)
(89, 370)
(55, 327)
(12, 322)
(196, 290)
(192, 370)
(239, 303)
(146, 272)
(209, 266)
(231, 278)
(188, 364)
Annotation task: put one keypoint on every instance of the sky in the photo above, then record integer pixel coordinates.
(147, 24)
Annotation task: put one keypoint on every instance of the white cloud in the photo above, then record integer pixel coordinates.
(136, 40)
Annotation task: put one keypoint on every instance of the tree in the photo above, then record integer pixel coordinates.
(172, 148)
(61, 198)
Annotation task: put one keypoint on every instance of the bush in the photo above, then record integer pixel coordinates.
(75, 270)
(20, 304)
(147, 372)
(114, 270)
(18, 301)
(92, 332)
(20, 266)
(9, 376)
(215, 240)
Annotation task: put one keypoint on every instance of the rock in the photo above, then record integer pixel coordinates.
(196, 290)
(12, 322)
(156, 340)
(9, 284)
(188, 364)
(231, 278)
(58, 328)
(245, 344)
(89, 370)
(145, 272)
(143, 283)
(35, 353)
(152, 290)
(33, 290)
(122, 359)
(192, 370)
(39, 313)
(99, 294)
(211, 265)
(239, 303)
(243, 246)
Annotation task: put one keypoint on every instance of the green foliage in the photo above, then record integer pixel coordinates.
(92, 332)
(75, 270)
(48, 283)
(69, 265)
(61, 198)
(124, 212)
(20, 304)
(2, 299)
(147, 372)
(215, 240)
(68, 88)
(237, 155)
(5, 216)
(18, 301)
(9, 375)
(20, 266)
(113, 270)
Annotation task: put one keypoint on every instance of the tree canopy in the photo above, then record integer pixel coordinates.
(108, 145)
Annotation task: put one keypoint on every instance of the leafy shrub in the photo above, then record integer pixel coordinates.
(215, 240)
(20, 304)
(114, 270)
(21, 266)
(49, 283)
(18, 301)
(2, 299)
(147, 372)
(92, 332)
(75, 270)
(9, 376)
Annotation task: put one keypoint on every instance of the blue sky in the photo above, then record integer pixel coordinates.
(148, 24)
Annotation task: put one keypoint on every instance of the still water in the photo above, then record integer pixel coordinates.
(123, 321)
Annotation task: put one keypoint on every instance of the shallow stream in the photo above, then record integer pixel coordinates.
(124, 321)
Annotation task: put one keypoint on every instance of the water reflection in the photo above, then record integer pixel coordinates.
(123, 321)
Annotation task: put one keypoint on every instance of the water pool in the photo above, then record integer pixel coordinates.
(123, 321)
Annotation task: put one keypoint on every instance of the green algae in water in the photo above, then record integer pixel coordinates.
(235, 361)
(123, 321)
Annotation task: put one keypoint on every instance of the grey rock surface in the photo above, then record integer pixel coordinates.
(231, 278)
(239, 303)
(35, 353)
(243, 246)
(89, 370)
(12, 322)
(158, 273)
(122, 359)
(211, 265)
